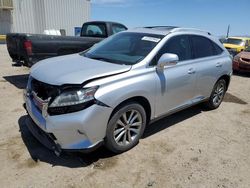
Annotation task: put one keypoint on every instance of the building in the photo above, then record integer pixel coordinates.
(35, 16)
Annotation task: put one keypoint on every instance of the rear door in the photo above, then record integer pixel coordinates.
(208, 63)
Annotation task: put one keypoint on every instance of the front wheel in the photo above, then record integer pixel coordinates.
(217, 95)
(125, 127)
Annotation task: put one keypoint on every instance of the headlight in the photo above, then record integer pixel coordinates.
(74, 97)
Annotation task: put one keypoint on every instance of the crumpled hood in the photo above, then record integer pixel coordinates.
(73, 69)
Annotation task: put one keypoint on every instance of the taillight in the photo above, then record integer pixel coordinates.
(28, 47)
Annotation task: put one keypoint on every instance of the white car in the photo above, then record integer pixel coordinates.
(107, 94)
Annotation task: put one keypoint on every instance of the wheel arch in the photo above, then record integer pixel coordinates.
(138, 99)
(226, 78)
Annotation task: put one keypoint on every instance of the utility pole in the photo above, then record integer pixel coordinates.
(228, 29)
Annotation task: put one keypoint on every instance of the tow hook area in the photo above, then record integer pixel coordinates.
(57, 151)
(43, 137)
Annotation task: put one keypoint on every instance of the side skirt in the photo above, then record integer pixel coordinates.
(180, 108)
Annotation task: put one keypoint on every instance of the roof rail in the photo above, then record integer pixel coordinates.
(160, 27)
(189, 29)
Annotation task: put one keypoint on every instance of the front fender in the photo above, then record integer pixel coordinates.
(127, 86)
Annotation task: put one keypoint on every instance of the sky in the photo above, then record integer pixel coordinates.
(209, 15)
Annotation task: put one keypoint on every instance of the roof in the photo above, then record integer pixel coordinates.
(158, 30)
(165, 30)
(103, 22)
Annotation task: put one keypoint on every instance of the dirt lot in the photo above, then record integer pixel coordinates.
(193, 148)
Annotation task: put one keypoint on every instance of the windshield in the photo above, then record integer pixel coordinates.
(239, 42)
(124, 48)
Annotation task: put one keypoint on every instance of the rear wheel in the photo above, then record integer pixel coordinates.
(217, 95)
(125, 127)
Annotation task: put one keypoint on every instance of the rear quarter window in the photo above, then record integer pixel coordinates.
(217, 49)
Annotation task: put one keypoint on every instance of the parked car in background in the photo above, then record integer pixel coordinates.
(109, 93)
(2, 37)
(241, 61)
(27, 49)
(236, 44)
(222, 39)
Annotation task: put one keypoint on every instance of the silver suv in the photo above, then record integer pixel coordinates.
(109, 93)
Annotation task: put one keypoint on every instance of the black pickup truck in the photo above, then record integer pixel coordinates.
(27, 49)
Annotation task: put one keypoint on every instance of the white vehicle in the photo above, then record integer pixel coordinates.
(108, 94)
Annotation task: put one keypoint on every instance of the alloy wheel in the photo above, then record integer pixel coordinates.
(218, 93)
(127, 127)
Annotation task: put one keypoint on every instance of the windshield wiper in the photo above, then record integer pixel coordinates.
(90, 56)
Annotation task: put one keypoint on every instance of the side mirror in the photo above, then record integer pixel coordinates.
(167, 59)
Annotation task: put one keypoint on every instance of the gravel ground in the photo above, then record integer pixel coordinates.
(193, 148)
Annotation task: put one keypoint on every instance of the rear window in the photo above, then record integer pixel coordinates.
(94, 30)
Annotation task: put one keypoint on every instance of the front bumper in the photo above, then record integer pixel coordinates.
(83, 130)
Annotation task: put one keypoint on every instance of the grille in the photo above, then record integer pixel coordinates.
(43, 90)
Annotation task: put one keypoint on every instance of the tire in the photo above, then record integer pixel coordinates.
(28, 64)
(217, 95)
(125, 127)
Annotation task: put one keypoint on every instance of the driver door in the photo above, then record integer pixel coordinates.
(176, 84)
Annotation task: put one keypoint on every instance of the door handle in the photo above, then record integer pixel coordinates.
(191, 71)
(218, 65)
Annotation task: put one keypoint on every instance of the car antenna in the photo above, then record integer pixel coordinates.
(228, 30)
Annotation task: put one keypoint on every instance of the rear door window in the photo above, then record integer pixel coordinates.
(202, 46)
(217, 49)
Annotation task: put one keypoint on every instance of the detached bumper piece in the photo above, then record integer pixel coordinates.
(43, 137)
